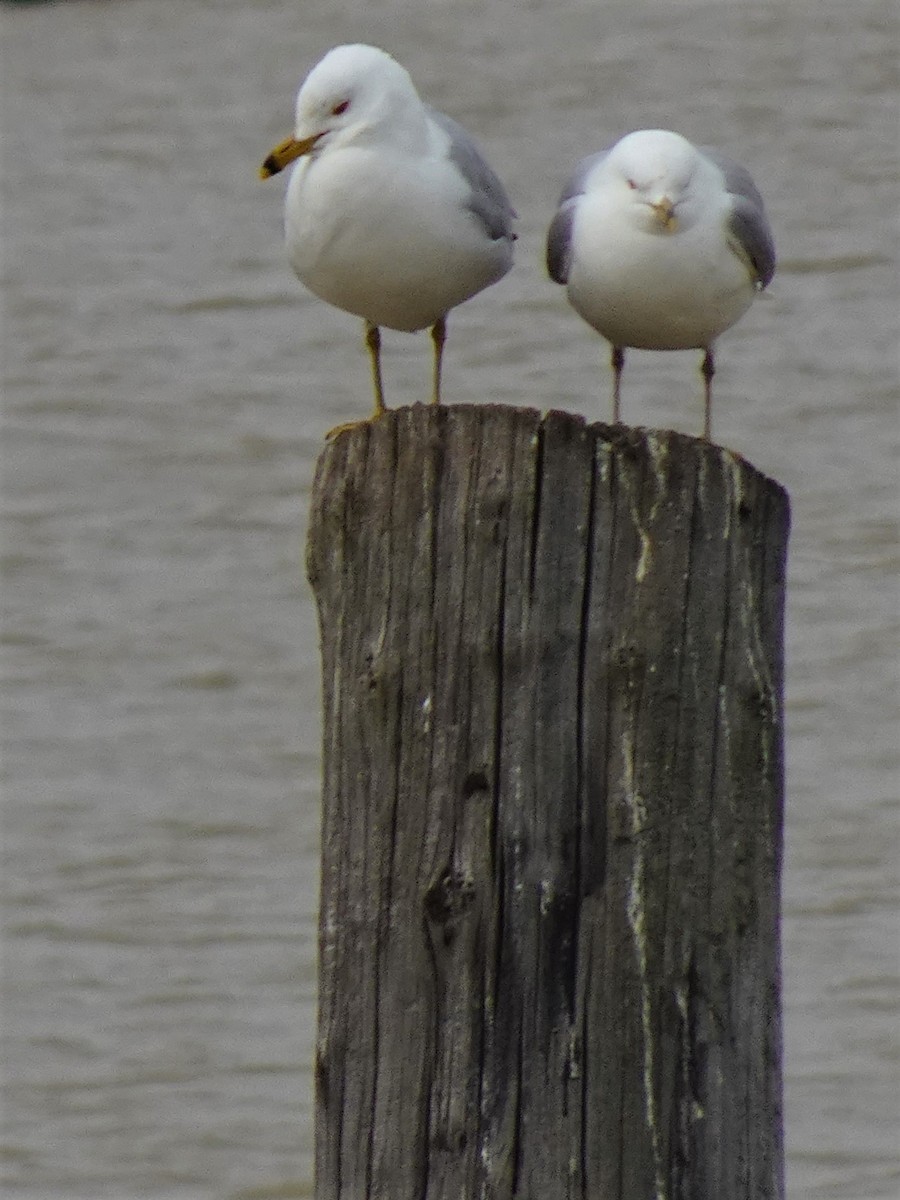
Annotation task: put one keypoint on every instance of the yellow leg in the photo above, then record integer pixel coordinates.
(373, 345)
(438, 337)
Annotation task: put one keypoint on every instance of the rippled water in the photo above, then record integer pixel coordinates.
(167, 387)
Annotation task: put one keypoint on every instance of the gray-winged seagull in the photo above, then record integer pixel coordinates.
(661, 246)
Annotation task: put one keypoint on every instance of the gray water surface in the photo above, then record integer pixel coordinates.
(167, 388)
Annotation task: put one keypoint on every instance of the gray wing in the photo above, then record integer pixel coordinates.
(488, 199)
(559, 241)
(559, 235)
(749, 224)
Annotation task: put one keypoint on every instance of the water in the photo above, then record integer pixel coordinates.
(167, 388)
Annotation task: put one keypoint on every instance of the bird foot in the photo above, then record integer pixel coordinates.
(345, 425)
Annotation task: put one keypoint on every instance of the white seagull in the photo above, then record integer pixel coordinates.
(661, 246)
(391, 212)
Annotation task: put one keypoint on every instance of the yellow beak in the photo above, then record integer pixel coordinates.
(664, 211)
(284, 153)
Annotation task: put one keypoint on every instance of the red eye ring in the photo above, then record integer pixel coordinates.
(340, 108)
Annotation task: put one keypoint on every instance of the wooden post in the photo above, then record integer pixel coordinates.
(553, 790)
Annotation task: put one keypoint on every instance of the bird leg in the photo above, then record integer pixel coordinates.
(618, 362)
(707, 370)
(373, 345)
(438, 337)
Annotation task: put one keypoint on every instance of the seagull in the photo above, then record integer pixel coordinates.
(391, 212)
(661, 246)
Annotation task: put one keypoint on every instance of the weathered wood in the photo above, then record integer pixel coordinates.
(553, 789)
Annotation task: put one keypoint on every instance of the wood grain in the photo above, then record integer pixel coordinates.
(552, 812)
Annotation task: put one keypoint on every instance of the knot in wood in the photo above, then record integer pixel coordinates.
(449, 897)
(475, 782)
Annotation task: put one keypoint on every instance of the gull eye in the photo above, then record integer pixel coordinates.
(631, 183)
(340, 108)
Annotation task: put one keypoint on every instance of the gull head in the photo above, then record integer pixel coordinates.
(353, 95)
(654, 173)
